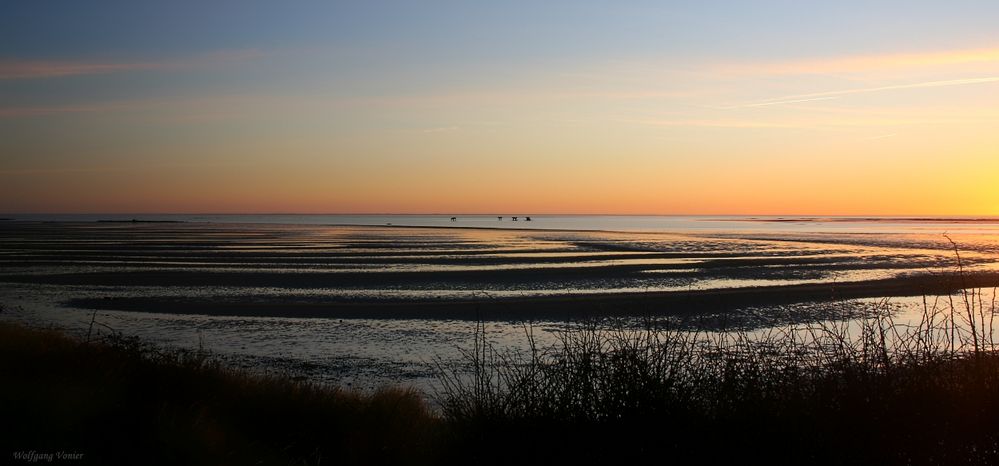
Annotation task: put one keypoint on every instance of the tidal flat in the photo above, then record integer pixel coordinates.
(366, 306)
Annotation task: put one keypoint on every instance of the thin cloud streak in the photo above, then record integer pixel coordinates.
(865, 63)
(36, 69)
(192, 107)
(881, 136)
(512, 97)
(51, 171)
(836, 94)
(54, 69)
(442, 129)
(714, 123)
(119, 168)
(777, 102)
(20, 112)
(795, 123)
(216, 104)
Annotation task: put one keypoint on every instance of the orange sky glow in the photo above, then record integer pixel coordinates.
(891, 126)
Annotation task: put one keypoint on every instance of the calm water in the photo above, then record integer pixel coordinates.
(716, 223)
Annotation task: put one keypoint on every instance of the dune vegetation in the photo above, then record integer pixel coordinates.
(870, 392)
(120, 401)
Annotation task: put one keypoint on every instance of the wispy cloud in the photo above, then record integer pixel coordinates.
(53, 69)
(713, 123)
(441, 129)
(18, 112)
(864, 63)
(768, 103)
(514, 97)
(193, 107)
(826, 95)
(36, 69)
(60, 170)
(120, 168)
(797, 123)
(880, 136)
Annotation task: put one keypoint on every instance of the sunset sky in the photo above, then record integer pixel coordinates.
(754, 107)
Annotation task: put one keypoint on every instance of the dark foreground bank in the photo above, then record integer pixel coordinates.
(118, 401)
(928, 395)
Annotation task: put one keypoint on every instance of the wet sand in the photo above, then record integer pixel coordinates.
(443, 273)
(569, 307)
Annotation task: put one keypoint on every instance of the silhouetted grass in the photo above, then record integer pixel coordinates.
(119, 401)
(875, 393)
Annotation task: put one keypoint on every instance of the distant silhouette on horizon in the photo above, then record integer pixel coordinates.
(454, 219)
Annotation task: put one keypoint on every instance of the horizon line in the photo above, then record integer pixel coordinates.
(562, 214)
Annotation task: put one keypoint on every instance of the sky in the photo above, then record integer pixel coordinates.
(613, 107)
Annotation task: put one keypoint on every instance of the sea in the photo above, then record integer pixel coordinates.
(633, 223)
